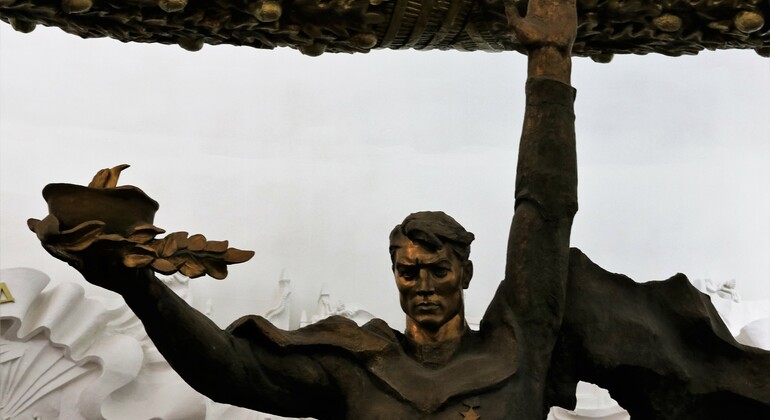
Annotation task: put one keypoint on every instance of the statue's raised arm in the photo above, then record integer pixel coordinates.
(546, 186)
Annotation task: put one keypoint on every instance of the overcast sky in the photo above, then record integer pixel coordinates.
(311, 161)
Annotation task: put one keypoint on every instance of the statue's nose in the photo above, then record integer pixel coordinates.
(424, 283)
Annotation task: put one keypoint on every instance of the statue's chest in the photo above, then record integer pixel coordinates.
(373, 402)
(384, 393)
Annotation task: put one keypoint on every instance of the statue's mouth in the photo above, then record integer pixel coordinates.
(427, 306)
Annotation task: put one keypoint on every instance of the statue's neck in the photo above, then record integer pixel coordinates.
(434, 348)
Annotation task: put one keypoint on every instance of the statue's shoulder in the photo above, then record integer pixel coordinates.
(483, 362)
(335, 331)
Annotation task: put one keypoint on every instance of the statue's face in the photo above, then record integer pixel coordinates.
(430, 283)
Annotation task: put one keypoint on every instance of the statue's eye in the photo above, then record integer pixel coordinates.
(408, 273)
(440, 271)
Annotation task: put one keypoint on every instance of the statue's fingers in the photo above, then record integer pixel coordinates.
(511, 12)
(567, 4)
(540, 7)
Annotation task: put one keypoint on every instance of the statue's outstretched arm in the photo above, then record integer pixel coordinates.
(225, 368)
(106, 233)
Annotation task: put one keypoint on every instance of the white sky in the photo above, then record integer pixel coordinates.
(311, 161)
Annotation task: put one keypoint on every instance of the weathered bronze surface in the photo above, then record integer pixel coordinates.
(104, 220)
(659, 347)
(606, 27)
(556, 318)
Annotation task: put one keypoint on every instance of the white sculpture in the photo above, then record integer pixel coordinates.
(280, 314)
(727, 291)
(326, 307)
(56, 359)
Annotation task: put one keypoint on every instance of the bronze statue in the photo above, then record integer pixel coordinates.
(541, 333)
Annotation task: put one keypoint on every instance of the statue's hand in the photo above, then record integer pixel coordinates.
(106, 269)
(101, 264)
(548, 23)
(106, 233)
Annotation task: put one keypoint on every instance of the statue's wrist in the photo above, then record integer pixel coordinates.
(550, 62)
(133, 282)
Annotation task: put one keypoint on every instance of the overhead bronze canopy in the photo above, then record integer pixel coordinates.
(607, 27)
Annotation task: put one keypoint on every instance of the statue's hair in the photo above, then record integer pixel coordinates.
(432, 230)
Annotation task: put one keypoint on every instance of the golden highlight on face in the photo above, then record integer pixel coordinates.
(430, 283)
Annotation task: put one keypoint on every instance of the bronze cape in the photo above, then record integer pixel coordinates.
(649, 344)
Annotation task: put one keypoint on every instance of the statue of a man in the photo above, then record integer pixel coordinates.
(438, 368)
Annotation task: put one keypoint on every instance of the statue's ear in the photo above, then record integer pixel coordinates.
(467, 274)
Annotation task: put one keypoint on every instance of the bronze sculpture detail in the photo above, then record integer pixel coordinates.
(541, 334)
(104, 219)
(605, 27)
